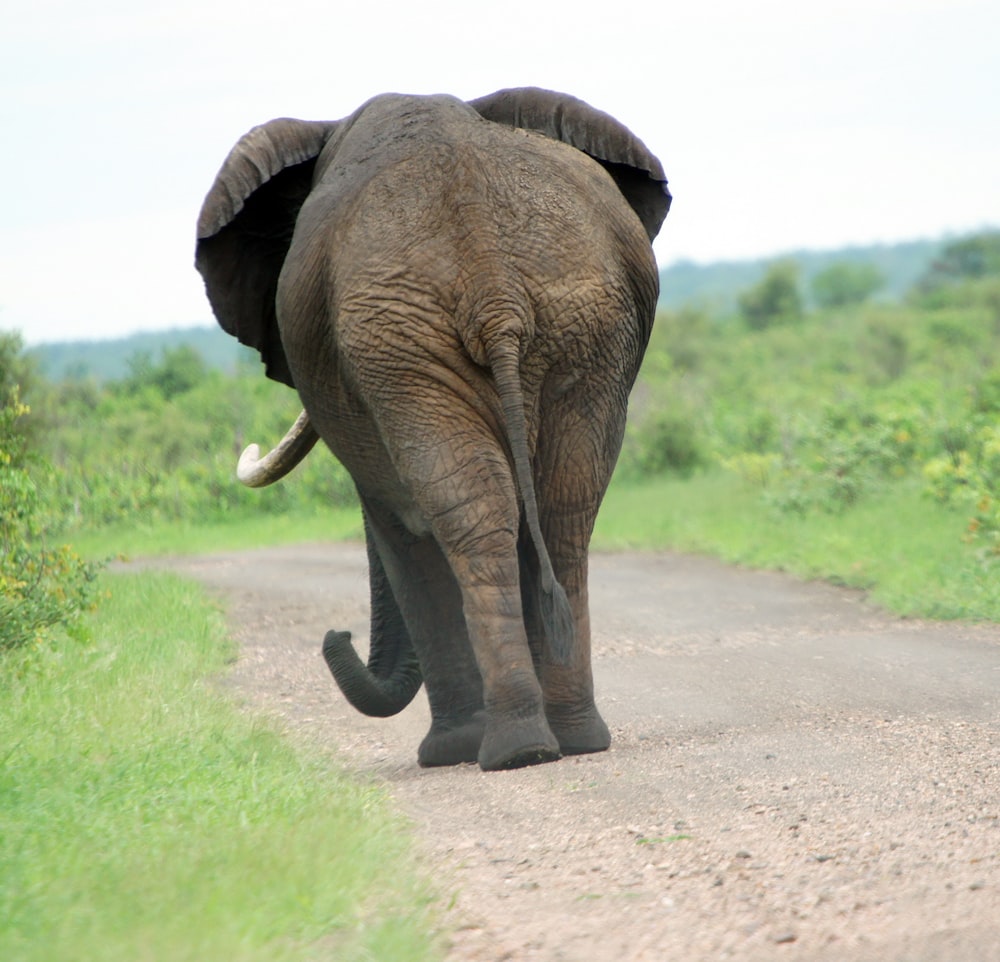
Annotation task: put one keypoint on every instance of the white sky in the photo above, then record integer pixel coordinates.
(780, 125)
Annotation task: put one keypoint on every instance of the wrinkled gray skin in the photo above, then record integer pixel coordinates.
(461, 294)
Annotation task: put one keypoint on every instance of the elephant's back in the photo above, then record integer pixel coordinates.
(477, 195)
(482, 225)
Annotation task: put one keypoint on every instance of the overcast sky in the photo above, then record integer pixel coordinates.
(780, 125)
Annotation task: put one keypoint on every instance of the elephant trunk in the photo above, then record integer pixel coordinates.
(258, 472)
(369, 692)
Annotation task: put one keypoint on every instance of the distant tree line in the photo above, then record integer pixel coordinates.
(778, 297)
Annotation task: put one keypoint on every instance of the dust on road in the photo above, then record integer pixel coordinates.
(794, 775)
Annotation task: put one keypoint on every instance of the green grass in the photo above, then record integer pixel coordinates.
(902, 547)
(905, 549)
(142, 816)
(255, 531)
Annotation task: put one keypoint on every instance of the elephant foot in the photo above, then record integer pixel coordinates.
(517, 744)
(579, 733)
(452, 744)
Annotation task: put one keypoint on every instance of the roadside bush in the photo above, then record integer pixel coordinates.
(887, 347)
(169, 439)
(685, 334)
(40, 587)
(969, 475)
(852, 451)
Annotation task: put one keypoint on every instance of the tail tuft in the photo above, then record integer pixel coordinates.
(557, 622)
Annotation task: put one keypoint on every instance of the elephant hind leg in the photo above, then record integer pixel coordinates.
(517, 732)
(423, 593)
(567, 684)
(457, 478)
(478, 539)
(577, 449)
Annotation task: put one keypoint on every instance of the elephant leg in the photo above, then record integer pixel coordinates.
(577, 455)
(568, 686)
(430, 602)
(517, 730)
(482, 552)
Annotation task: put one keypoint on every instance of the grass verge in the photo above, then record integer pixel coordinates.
(156, 539)
(903, 548)
(143, 817)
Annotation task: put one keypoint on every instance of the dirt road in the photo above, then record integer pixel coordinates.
(794, 775)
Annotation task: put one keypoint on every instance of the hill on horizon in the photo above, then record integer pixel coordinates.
(109, 359)
(712, 287)
(715, 287)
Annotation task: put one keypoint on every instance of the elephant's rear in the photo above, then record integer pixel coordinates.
(485, 240)
(484, 232)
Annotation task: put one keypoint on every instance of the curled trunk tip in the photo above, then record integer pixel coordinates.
(377, 697)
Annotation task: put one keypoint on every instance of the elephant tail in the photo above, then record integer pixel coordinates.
(557, 617)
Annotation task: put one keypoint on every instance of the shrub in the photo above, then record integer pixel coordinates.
(971, 476)
(686, 335)
(40, 587)
(887, 347)
(775, 299)
(851, 452)
(969, 258)
(666, 441)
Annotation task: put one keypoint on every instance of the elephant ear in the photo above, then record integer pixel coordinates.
(634, 168)
(245, 229)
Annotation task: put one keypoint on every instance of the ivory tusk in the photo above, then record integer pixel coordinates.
(258, 472)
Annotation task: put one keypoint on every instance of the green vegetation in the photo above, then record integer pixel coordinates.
(775, 299)
(158, 448)
(859, 443)
(843, 284)
(41, 587)
(155, 539)
(143, 817)
(971, 258)
(110, 360)
(904, 550)
(715, 288)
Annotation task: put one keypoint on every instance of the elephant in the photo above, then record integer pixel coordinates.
(461, 293)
